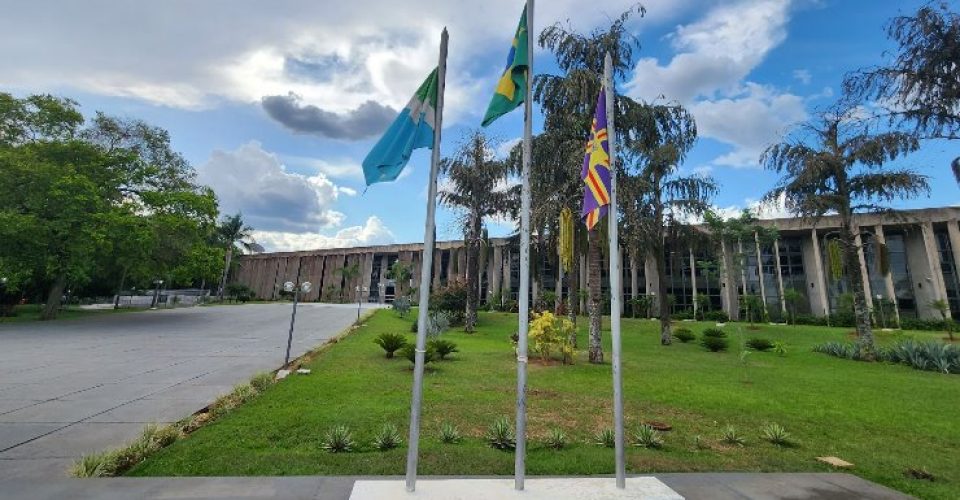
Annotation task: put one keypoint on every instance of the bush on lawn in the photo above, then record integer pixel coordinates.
(549, 334)
(500, 435)
(339, 439)
(388, 438)
(684, 335)
(452, 300)
(715, 332)
(409, 351)
(402, 306)
(714, 344)
(930, 355)
(606, 438)
(443, 348)
(647, 437)
(557, 439)
(775, 434)
(449, 433)
(716, 316)
(390, 342)
(760, 344)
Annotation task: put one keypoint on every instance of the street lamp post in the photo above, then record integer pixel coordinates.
(359, 296)
(289, 287)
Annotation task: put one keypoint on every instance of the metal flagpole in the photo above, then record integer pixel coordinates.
(519, 469)
(425, 270)
(615, 274)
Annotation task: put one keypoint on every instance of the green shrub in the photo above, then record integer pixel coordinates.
(760, 344)
(684, 335)
(239, 292)
(442, 347)
(390, 342)
(409, 351)
(261, 381)
(449, 433)
(549, 334)
(388, 438)
(729, 435)
(452, 300)
(780, 348)
(776, 434)
(606, 438)
(402, 306)
(338, 439)
(715, 333)
(557, 439)
(647, 437)
(116, 462)
(716, 316)
(500, 435)
(714, 344)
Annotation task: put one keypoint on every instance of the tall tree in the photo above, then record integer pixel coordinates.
(835, 164)
(568, 102)
(233, 233)
(920, 87)
(663, 201)
(476, 184)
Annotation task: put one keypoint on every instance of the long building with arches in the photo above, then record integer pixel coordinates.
(909, 260)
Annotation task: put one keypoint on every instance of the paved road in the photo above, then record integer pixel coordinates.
(75, 386)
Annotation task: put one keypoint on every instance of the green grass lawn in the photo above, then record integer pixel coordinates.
(31, 312)
(883, 418)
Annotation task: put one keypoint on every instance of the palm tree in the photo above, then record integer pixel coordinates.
(834, 163)
(662, 201)
(568, 102)
(399, 272)
(476, 183)
(233, 232)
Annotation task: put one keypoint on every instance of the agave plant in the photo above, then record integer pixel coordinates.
(557, 439)
(339, 439)
(729, 435)
(606, 438)
(500, 435)
(647, 437)
(776, 434)
(388, 438)
(449, 433)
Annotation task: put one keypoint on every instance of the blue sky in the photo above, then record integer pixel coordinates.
(277, 104)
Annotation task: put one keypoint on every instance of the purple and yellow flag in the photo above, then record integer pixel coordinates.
(596, 167)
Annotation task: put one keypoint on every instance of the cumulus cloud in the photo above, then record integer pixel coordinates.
(803, 76)
(369, 119)
(254, 182)
(372, 232)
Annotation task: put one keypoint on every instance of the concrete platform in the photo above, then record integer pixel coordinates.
(563, 488)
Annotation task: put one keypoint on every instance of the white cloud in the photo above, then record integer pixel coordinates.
(372, 232)
(347, 191)
(254, 182)
(803, 76)
(343, 169)
(749, 121)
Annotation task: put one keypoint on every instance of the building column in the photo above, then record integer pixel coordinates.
(508, 276)
(819, 285)
(763, 287)
(496, 270)
(437, 264)
(693, 282)
(783, 297)
(366, 275)
(863, 267)
(888, 276)
(634, 275)
(933, 258)
(382, 290)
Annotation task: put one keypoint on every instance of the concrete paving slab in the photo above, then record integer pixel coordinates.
(30, 469)
(101, 378)
(581, 488)
(12, 434)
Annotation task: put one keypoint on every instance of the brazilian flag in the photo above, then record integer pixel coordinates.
(513, 83)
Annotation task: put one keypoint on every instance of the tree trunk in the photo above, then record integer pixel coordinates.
(594, 301)
(226, 270)
(470, 320)
(123, 279)
(855, 277)
(666, 337)
(573, 292)
(52, 307)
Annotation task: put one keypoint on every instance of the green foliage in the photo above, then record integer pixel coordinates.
(683, 335)
(549, 334)
(450, 300)
(442, 347)
(714, 344)
(239, 292)
(500, 434)
(387, 438)
(556, 439)
(449, 433)
(606, 438)
(261, 381)
(116, 462)
(759, 344)
(402, 306)
(780, 348)
(647, 437)
(717, 316)
(730, 436)
(409, 351)
(715, 332)
(930, 355)
(338, 439)
(775, 434)
(390, 342)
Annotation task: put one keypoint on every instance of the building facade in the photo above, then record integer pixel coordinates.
(908, 260)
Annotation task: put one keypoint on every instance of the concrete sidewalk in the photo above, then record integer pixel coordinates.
(692, 486)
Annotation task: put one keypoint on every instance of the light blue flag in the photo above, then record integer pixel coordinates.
(413, 129)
